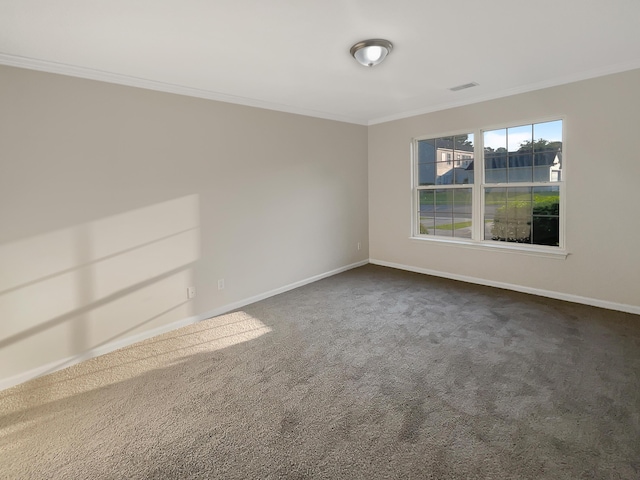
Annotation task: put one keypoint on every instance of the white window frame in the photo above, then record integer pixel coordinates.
(478, 186)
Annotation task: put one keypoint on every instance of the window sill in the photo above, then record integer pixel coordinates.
(549, 252)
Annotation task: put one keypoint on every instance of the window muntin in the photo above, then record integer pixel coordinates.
(527, 158)
(511, 195)
(528, 215)
(446, 212)
(444, 196)
(523, 154)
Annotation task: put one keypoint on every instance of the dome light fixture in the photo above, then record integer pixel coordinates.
(371, 52)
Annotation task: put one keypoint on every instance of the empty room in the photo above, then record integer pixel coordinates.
(337, 240)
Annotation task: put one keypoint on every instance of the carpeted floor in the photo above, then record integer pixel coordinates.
(373, 373)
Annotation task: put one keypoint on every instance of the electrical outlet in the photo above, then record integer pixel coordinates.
(191, 292)
(359, 245)
(221, 284)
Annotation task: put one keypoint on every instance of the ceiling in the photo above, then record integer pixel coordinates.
(293, 55)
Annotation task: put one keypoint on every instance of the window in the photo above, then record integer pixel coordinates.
(507, 190)
(446, 157)
(444, 195)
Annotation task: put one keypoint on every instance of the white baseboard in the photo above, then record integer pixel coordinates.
(94, 352)
(594, 302)
(125, 342)
(233, 306)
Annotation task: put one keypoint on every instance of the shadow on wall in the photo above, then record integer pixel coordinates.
(69, 291)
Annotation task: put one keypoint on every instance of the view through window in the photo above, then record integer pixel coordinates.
(445, 193)
(510, 194)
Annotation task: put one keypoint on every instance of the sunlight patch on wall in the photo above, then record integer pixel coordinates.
(65, 292)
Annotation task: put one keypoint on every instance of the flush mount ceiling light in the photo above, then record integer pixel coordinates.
(371, 52)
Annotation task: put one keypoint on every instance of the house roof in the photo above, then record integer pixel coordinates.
(445, 143)
(522, 159)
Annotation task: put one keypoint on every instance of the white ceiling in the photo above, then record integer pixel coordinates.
(293, 55)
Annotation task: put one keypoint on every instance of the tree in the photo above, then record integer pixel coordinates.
(497, 150)
(462, 141)
(539, 145)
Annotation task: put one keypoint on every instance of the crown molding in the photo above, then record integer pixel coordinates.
(103, 76)
(108, 77)
(594, 73)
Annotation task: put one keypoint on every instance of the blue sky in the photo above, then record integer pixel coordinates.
(551, 131)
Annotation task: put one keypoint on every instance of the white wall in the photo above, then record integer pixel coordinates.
(602, 159)
(114, 199)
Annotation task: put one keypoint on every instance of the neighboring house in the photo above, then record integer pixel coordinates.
(438, 165)
(447, 163)
(456, 175)
(555, 169)
(523, 166)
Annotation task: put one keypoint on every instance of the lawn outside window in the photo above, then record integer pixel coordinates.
(503, 189)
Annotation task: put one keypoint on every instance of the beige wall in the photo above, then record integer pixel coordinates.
(602, 207)
(114, 199)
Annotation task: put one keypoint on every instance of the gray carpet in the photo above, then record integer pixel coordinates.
(373, 373)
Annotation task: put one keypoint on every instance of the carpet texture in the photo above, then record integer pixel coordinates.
(374, 373)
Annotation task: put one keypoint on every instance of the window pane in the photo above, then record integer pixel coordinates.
(523, 215)
(547, 149)
(445, 155)
(495, 141)
(463, 174)
(519, 138)
(445, 144)
(463, 164)
(547, 166)
(508, 214)
(426, 174)
(426, 212)
(526, 153)
(464, 142)
(444, 212)
(462, 201)
(426, 151)
(546, 216)
(462, 213)
(496, 168)
(445, 161)
(495, 156)
(426, 158)
(444, 173)
(494, 200)
(520, 167)
(550, 131)
(519, 214)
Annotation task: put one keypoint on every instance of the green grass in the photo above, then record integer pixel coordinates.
(455, 226)
(447, 226)
(498, 198)
(493, 198)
